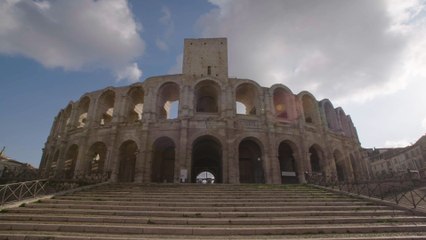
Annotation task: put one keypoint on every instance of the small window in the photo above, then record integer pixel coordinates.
(209, 70)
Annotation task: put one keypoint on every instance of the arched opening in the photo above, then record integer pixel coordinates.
(168, 101)
(205, 177)
(283, 104)
(250, 162)
(355, 168)
(316, 158)
(135, 102)
(66, 117)
(70, 161)
(105, 108)
(343, 119)
(246, 95)
(127, 159)
(206, 157)
(207, 97)
(331, 116)
(97, 156)
(340, 167)
(54, 164)
(310, 109)
(287, 163)
(83, 109)
(163, 160)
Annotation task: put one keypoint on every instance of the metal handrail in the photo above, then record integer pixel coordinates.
(14, 192)
(403, 191)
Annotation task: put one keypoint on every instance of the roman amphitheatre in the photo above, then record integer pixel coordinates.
(173, 128)
(148, 148)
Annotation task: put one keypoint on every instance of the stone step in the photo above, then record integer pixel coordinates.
(202, 214)
(210, 221)
(207, 230)
(207, 203)
(25, 235)
(211, 208)
(207, 197)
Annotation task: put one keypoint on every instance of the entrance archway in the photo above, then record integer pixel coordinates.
(354, 167)
(97, 156)
(163, 160)
(340, 168)
(70, 161)
(316, 157)
(287, 163)
(206, 157)
(250, 162)
(205, 178)
(126, 170)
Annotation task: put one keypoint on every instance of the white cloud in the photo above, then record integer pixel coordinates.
(398, 143)
(424, 124)
(167, 22)
(131, 73)
(72, 35)
(344, 50)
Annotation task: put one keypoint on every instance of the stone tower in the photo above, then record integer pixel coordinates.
(206, 57)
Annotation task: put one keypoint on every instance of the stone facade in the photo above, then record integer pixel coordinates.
(171, 128)
(397, 162)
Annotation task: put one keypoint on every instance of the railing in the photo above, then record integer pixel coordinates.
(403, 191)
(15, 192)
(19, 191)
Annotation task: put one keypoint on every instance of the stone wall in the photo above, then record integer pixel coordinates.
(174, 126)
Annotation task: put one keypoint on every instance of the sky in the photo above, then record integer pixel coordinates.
(368, 57)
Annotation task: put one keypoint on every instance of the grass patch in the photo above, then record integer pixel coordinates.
(23, 205)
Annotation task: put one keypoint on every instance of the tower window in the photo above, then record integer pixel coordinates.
(209, 70)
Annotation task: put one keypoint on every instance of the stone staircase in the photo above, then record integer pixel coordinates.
(131, 211)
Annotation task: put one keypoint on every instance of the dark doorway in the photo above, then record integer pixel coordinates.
(287, 163)
(250, 162)
(206, 157)
(338, 160)
(127, 158)
(315, 159)
(163, 160)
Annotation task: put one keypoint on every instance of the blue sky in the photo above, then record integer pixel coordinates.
(367, 57)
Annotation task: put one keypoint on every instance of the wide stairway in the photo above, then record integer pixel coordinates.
(131, 211)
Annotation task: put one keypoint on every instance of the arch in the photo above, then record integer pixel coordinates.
(247, 95)
(105, 108)
(206, 156)
(163, 160)
(168, 101)
(330, 115)
(207, 95)
(284, 105)
(54, 164)
(135, 101)
(83, 109)
(343, 119)
(286, 157)
(70, 161)
(355, 168)
(310, 109)
(316, 158)
(250, 161)
(66, 116)
(127, 161)
(96, 158)
(340, 167)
